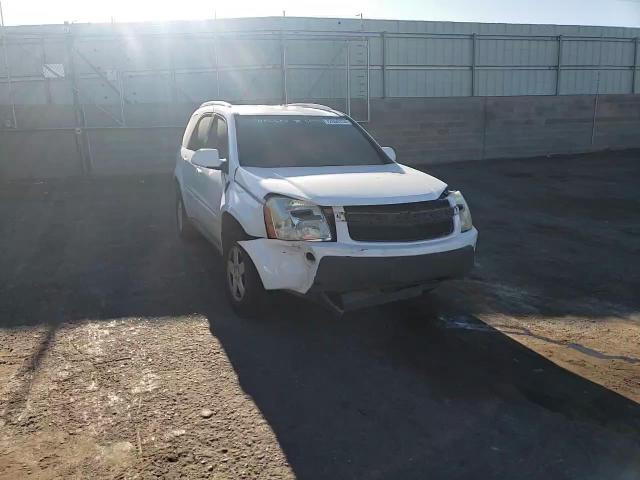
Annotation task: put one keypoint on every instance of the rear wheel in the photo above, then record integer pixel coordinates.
(243, 284)
(185, 228)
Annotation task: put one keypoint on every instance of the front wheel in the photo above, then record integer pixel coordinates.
(243, 284)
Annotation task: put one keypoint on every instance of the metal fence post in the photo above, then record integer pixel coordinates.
(121, 95)
(283, 66)
(47, 82)
(473, 64)
(348, 77)
(595, 111)
(172, 74)
(484, 128)
(216, 60)
(634, 88)
(368, 84)
(559, 67)
(384, 64)
(9, 82)
(80, 120)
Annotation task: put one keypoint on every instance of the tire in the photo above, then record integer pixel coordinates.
(185, 228)
(243, 285)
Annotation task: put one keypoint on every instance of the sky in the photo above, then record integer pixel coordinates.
(567, 12)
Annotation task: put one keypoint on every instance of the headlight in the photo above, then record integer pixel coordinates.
(291, 219)
(465, 214)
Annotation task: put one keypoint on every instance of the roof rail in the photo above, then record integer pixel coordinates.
(215, 102)
(317, 106)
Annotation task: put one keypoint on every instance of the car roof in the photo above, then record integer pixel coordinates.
(291, 109)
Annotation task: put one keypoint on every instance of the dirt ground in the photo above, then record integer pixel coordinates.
(119, 357)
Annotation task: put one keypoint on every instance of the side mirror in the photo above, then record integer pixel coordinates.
(208, 158)
(391, 153)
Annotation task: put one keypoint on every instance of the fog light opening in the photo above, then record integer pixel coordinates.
(310, 257)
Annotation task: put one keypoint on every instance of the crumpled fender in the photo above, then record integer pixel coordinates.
(246, 209)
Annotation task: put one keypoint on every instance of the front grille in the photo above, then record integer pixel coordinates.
(404, 222)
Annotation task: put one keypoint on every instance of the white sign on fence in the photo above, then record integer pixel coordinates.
(53, 70)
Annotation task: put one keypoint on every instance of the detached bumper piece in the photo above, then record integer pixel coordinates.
(348, 283)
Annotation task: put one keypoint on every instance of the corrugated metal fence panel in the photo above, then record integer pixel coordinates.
(597, 52)
(242, 52)
(147, 88)
(636, 88)
(193, 61)
(428, 51)
(30, 93)
(428, 83)
(304, 83)
(193, 53)
(408, 61)
(514, 52)
(508, 66)
(103, 53)
(250, 85)
(5, 98)
(618, 53)
(375, 51)
(516, 82)
(325, 52)
(591, 81)
(197, 86)
(24, 58)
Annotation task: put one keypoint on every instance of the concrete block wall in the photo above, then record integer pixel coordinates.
(422, 130)
(618, 122)
(531, 126)
(440, 130)
(39, 154)
(429, 130)
(134, 151)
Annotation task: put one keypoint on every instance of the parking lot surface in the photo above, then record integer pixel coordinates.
(119, 356)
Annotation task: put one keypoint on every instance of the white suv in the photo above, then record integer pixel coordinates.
(301, 198)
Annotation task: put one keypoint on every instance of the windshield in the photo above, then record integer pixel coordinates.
(303, 141)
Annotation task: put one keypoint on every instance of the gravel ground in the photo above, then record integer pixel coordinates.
(119, 357)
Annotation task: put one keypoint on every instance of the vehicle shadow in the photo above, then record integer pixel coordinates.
(390, 393)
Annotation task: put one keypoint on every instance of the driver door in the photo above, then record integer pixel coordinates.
(210, 182)
(194, 203)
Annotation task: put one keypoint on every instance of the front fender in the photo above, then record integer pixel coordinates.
(246, 209)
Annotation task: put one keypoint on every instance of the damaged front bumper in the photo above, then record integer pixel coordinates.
(381, 269)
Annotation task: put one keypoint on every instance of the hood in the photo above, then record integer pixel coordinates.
(337, 186)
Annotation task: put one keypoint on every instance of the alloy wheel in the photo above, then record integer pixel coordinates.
(235, 273)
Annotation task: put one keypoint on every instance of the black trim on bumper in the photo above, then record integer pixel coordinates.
(343, 274)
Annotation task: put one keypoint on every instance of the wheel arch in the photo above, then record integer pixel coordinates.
(232, 229)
